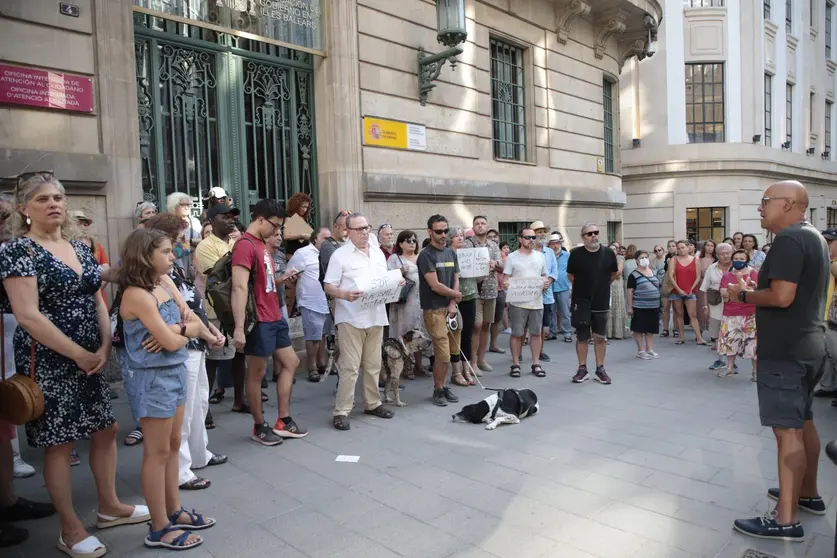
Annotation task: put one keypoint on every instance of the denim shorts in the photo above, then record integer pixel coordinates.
(678, 296)
(313, 324)
(267, 337)
(156, 392)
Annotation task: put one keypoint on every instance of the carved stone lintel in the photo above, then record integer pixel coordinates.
(630, 49)
(614, 26)
(564, 16)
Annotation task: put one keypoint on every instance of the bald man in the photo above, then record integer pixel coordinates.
(790, 302)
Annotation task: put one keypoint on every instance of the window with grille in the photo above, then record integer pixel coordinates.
(812, 12)
(811, 113)
(705, 103)
(508, 101)
(766, 9)
(829, 8)
(789, 17)
(705, 223)
(768, 109)
(812, 216)
(828, 106)
(614, 231)
(703, 3)
(789, 115)
(831, 217)
(607, 101)
(508, 232)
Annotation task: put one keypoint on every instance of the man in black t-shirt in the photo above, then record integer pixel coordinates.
(591, 269)
(790, 303)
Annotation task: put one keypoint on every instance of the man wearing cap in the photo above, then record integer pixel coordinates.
(99, 253)
(560, 290)
(215, 246)
(541, 231)
(216, 196)
(828, 384)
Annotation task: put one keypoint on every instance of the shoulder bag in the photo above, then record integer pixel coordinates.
(407, 288)
(21, 400)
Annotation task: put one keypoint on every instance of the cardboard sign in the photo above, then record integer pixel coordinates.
(473, 262)
(379, 290)
(296, 225)
(524, 289)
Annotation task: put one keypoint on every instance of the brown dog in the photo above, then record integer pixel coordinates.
(395, 355)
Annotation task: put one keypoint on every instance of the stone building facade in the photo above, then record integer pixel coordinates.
(739, 95)
(525, 127)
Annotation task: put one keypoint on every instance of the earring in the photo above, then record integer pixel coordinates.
(28, 220)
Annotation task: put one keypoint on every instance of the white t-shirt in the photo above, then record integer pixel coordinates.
(310, 293)
(527, 265)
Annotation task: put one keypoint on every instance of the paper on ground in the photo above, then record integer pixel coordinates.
(348, 458)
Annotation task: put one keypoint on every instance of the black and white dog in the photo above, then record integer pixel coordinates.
(506, 406)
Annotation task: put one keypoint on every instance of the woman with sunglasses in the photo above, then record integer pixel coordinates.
(53, 286)
(407, 316)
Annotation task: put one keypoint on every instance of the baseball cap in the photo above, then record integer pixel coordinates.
(217, 192)
(830, 234)
(556, 237)
(222, 209)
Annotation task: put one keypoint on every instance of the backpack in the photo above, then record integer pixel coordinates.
(219, 293)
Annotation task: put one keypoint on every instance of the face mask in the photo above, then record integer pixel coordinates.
(643, 262)
(739, 264)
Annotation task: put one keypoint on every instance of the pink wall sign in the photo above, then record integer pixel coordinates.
(42, 88)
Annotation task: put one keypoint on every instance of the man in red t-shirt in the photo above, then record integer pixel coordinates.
(271, 335)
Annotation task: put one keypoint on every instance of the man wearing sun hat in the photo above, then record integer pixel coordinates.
(541, 231)
(561, 290)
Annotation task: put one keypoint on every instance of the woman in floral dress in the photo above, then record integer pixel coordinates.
(407, 316)
(738, 325)
(53, 287)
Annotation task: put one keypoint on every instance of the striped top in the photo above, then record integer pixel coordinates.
(646, 290)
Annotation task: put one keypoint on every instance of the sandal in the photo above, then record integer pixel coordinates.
(703, 344)
(217, 396)
(314, 376)
(341, 422)
(139, 515)
(91, 547)
(679, 342)
(197, 483)
(380, 411)
(197, 521)
(209, 422)
(410, 375)
(538, 371)
(134, 438)
(496, 350)
(664, 333)
(181, 542)
(515, 371)
(244, 409)
(459, 379)
(265, 397)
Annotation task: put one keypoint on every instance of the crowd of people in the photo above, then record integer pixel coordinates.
(203, 305)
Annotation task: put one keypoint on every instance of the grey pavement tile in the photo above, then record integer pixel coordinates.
(651, 549)
(602, 540)
(704, 492)
(411, 500)
(738, 544)
(752, 440)
(567, 498)
(584, 444)
(668, 464)
(616, 468)
(610, 487)
(708, 515)
(471, 552)
(249, 540)
(820, 545)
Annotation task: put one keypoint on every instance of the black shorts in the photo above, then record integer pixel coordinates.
(786, 390)
(268, 337)
(598, 327)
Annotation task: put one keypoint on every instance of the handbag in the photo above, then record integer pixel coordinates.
(21, 400)
(713, 297)
(405, 290)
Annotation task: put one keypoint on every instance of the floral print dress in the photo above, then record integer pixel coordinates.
(75, 405)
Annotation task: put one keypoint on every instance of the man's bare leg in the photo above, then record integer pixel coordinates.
(792, 467)
(812, 455)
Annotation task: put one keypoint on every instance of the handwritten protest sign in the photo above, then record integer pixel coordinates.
(382, 289)
(473, 262)
(524, 289)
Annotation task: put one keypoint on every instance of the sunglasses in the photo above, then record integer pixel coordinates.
(529, 237)
(345, 213)
(591, 233)
(384, 226)
(411, 241)
(365, 229)
(440, 231)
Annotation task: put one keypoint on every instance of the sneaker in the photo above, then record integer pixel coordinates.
(439, 398)
(544, 357)
(263, 434)
(74, 458)
(22, 469)
(765, 527)
(601, 376)
(581, 375)
(815, 505)
(643, 355)
(288, 429)
(652, 354)
(506, 331)
(718, 364)
(449, 395)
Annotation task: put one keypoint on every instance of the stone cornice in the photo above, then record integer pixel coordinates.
(565, 13)
(614, 24)
(630, 47)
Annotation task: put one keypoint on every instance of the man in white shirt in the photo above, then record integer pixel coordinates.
(359, 330)
(526, 262)
(312, 301)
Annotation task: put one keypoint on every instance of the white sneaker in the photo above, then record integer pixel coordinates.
(643, 355)
(22, 469)
(652, 354)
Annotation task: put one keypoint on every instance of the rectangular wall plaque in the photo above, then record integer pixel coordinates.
(44, 88)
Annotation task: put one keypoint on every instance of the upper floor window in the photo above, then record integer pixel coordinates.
(789, 116)
(705, 103)
(508, 101)
(829, 8)
(812, 13)
(607, 102)
(767, 9)
(768, 109)
(811, 114)
(789, 17)
(703, 3)
(828, 106)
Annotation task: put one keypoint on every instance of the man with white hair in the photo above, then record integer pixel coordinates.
(560, 290)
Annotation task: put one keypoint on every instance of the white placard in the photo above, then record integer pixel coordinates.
(416, 137)
(379, 290)
(473, 262)
(524, 289)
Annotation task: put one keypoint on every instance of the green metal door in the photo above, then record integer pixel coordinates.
(219, 110)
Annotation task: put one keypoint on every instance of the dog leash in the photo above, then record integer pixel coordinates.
(471, 368)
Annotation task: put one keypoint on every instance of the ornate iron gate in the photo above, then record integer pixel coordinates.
(219, 110)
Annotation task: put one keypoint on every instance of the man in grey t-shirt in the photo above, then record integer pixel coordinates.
(790, 303)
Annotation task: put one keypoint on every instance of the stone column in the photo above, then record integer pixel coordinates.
(337, 98)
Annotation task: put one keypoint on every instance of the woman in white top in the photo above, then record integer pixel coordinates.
(713, 310)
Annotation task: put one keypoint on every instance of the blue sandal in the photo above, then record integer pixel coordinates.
(155, 538)
(198, 521)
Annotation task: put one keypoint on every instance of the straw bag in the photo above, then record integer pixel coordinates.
(21, 400)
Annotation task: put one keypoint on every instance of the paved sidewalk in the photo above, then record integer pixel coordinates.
(656, 465)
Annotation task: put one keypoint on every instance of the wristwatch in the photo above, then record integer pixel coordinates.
(742, 296)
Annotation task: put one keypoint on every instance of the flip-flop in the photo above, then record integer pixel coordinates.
(216, 397)
(496, 350)
(139, 515)
(265, 397)
(197, 483)
(134, 438)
